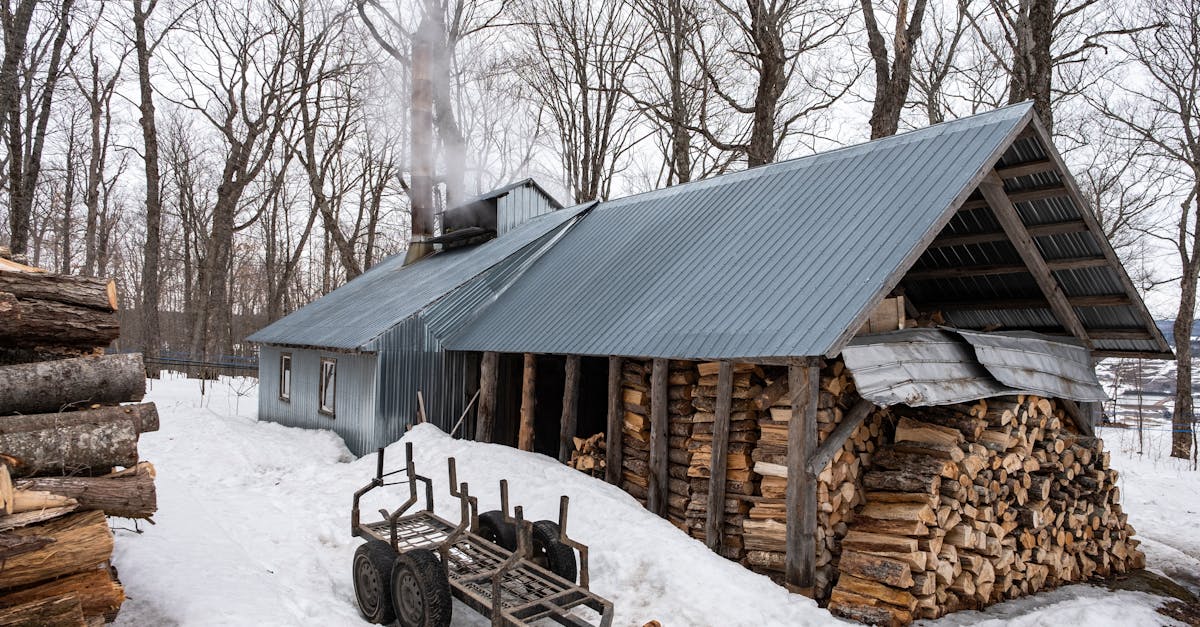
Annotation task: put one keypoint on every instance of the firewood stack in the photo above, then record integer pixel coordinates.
(588, 455)
(681, 386)
(68, 449)
(972, 505)
(839, 487)
(740, 481)
(635, 434)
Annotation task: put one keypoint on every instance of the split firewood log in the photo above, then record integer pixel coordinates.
(53, 386)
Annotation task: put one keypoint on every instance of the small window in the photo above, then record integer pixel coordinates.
(328, 384)
(285, 377)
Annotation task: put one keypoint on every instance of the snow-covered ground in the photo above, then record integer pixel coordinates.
(253, 529)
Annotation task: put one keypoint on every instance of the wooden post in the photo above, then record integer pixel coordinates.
(616, 419)
(801, 559)
(656, 500)
(486, 421)
(993, 192)
(715, 519)
(528, 403)
(566, 430)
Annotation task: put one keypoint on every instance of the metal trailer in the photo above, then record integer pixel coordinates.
(412, 562)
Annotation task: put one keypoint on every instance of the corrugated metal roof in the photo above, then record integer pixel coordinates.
(352, 316)
(921, 367)
(775, 261)
(500, 191)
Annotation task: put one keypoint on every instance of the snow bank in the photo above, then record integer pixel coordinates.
(253, 529)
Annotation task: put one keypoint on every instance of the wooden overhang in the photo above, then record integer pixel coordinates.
(1024, 251)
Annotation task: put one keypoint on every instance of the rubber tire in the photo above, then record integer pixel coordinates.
(421, 590)
(494, 529)
(550, 553)
(373, 563)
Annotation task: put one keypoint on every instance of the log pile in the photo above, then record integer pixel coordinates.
(972, 505)
(635, 432)
(740, 480)
(588, 455)
(68, 450)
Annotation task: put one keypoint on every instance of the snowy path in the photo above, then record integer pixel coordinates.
(253, 529)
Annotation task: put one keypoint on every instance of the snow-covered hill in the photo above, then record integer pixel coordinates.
(253, 529)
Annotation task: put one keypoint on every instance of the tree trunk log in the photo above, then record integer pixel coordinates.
(82, 442)
(98, 592)
(130, 496)
(63, 611)
(49, 323)
(51, 386)
(81, 291)
(81, 542)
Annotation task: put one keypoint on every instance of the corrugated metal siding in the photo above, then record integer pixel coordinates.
(1036, 364)
(518, 206)
(354, 394)
(774, 261)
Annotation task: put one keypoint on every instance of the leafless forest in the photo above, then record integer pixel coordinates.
(228, 161)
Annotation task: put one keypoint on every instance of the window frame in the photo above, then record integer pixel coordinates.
(323, 392)
(285, 376)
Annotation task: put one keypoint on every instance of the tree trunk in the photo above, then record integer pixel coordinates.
(98, 593)
(1184, 413)
(81, 542)
(96, 294)
(48, 323)
(127, 496)
(51, 386)
(151, 289)
(83, 442)
(60, 611)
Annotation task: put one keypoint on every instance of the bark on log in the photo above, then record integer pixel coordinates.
(49, 323)
(98, 592)
(51, 386)
(83, 442)
(129, 496)
(93, 293)
(81, 542)
(63, 611)
(144, 417)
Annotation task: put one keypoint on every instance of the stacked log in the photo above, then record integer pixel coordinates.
(68, 450)
(839, 483)
(740, 481)
(635, 431)
(588, 456)
(681, 382)
(975, 504)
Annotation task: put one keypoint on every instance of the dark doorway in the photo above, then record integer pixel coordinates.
(592, 408)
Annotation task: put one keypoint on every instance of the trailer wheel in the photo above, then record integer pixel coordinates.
(373, 581)
(421, 590)
(550, 553)
(494, 529)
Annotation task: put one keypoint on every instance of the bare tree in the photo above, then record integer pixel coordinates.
(581, 58)
(242, 85)
(1161, 113)
(935, 63)
(27, 94)
(892, 76)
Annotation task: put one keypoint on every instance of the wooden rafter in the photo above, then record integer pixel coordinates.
(1025, 196)
(1107, 300)
(1001, 205)
(1054, 265)
(1025, 169)
(1039, 230)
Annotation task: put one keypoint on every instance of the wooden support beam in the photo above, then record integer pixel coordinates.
(486, 417)
(714, 520)
(837, 438)
(958, 272)
(1120, 334)
(1078, 416)
(1016, 197)
(616, 419)
(801, 558)
(528, 403)
(656, 500)
(1038, 230)
(570, 405)
(992, 189)
(1107, 300)
(1025, 169)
